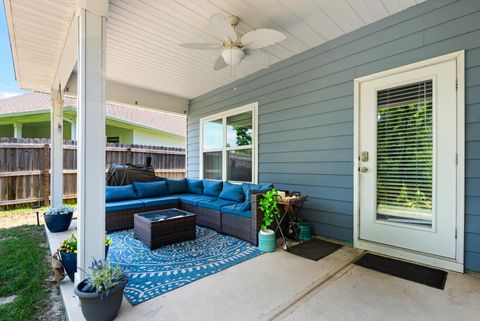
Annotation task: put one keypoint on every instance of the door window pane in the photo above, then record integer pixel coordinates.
(239, 165)
(213, 134)
(212, 165)
(239, 130)
(404, 154)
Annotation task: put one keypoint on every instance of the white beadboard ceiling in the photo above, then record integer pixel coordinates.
(38, 30)
(143, 37)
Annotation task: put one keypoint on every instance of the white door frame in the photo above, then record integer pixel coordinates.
(458, 263)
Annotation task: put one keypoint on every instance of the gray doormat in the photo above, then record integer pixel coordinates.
(405, 270)
(315, 249)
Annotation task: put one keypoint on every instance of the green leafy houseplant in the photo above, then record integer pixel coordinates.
(269, 208)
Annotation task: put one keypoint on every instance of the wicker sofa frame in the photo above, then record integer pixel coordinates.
(238, 226)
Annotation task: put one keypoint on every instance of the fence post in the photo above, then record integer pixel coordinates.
(130, 155)
(46, 174)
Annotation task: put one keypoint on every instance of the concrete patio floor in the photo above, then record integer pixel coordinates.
(282, 286)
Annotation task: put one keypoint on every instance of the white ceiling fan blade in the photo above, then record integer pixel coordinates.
(257, 59)
(219, 63)
(202, 46)
(221, 29)
(261, 38)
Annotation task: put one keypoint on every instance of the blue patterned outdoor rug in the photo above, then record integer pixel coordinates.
(153, 273)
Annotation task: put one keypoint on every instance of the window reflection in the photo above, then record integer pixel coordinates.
(239, 130)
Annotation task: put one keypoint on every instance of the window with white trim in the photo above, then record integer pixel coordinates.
(228, 145)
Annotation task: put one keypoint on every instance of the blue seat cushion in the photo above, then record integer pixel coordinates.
(151, 189)
(120, 193)
(162, 200)
(236, 209)
(212, 188)
(177, 186)
(123, 205)
(232, 192)
(192, 199)
(215, 204)
(195, 186)
(249, 188)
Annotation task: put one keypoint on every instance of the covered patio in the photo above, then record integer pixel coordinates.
(314, 104)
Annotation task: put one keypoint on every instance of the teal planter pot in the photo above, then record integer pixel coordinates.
(266, 241)
(305, 231)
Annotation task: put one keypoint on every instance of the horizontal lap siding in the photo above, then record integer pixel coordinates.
(306, 110)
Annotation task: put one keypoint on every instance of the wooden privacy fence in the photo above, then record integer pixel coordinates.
(25, 167)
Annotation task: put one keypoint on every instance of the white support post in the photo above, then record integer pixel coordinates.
(73, 130)
(17, 130)
(56, 148)
(91, 134)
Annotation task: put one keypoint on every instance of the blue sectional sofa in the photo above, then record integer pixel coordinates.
(223, 206)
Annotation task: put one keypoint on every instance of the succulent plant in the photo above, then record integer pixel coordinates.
(60, 210)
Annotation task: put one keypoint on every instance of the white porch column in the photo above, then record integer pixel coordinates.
(56, 148)
(17, 130)
(73, 130)
(91, 133)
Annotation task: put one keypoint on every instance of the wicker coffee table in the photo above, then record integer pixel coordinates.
(158, 228)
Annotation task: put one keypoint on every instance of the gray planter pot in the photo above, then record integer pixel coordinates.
(95, 308)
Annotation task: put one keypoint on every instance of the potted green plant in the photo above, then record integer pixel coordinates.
(269, 208)
(101, 293)
(58, 219)
(68, 254)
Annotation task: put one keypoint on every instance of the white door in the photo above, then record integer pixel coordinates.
(408, 156)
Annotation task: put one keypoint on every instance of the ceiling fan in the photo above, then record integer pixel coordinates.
(235, 47)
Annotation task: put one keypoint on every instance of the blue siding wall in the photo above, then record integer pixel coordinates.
(306, 110)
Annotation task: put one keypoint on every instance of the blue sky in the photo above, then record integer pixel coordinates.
(8, 84)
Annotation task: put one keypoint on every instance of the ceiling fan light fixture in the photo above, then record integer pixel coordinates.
(232, 56)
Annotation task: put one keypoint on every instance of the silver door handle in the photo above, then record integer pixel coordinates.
(363, 169)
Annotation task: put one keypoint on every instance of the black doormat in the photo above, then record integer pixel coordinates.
(405, 270)
(314, 249)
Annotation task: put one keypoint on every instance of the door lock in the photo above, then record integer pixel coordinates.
(364, 156)
(363, 169)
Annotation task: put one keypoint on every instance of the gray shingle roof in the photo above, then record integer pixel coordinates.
(38, 102)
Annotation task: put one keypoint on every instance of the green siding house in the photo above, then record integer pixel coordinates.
(28, 116)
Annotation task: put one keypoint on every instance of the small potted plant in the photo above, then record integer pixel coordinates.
(68, 254)
(101, 293)
(269, 208)
(58, 219)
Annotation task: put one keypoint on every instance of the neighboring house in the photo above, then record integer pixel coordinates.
(28, 116)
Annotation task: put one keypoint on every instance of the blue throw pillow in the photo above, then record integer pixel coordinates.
(232, 192)
(249, 189)
(151, 189)
(212, 188)
(177, 186)
(119, 193)
(195, 186)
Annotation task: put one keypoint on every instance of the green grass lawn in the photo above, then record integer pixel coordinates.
(23, 272)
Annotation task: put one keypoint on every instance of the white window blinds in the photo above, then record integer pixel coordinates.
(404, 151)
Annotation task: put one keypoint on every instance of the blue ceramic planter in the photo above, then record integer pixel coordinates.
(266, 241)
(69, 261)
(58, 223)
